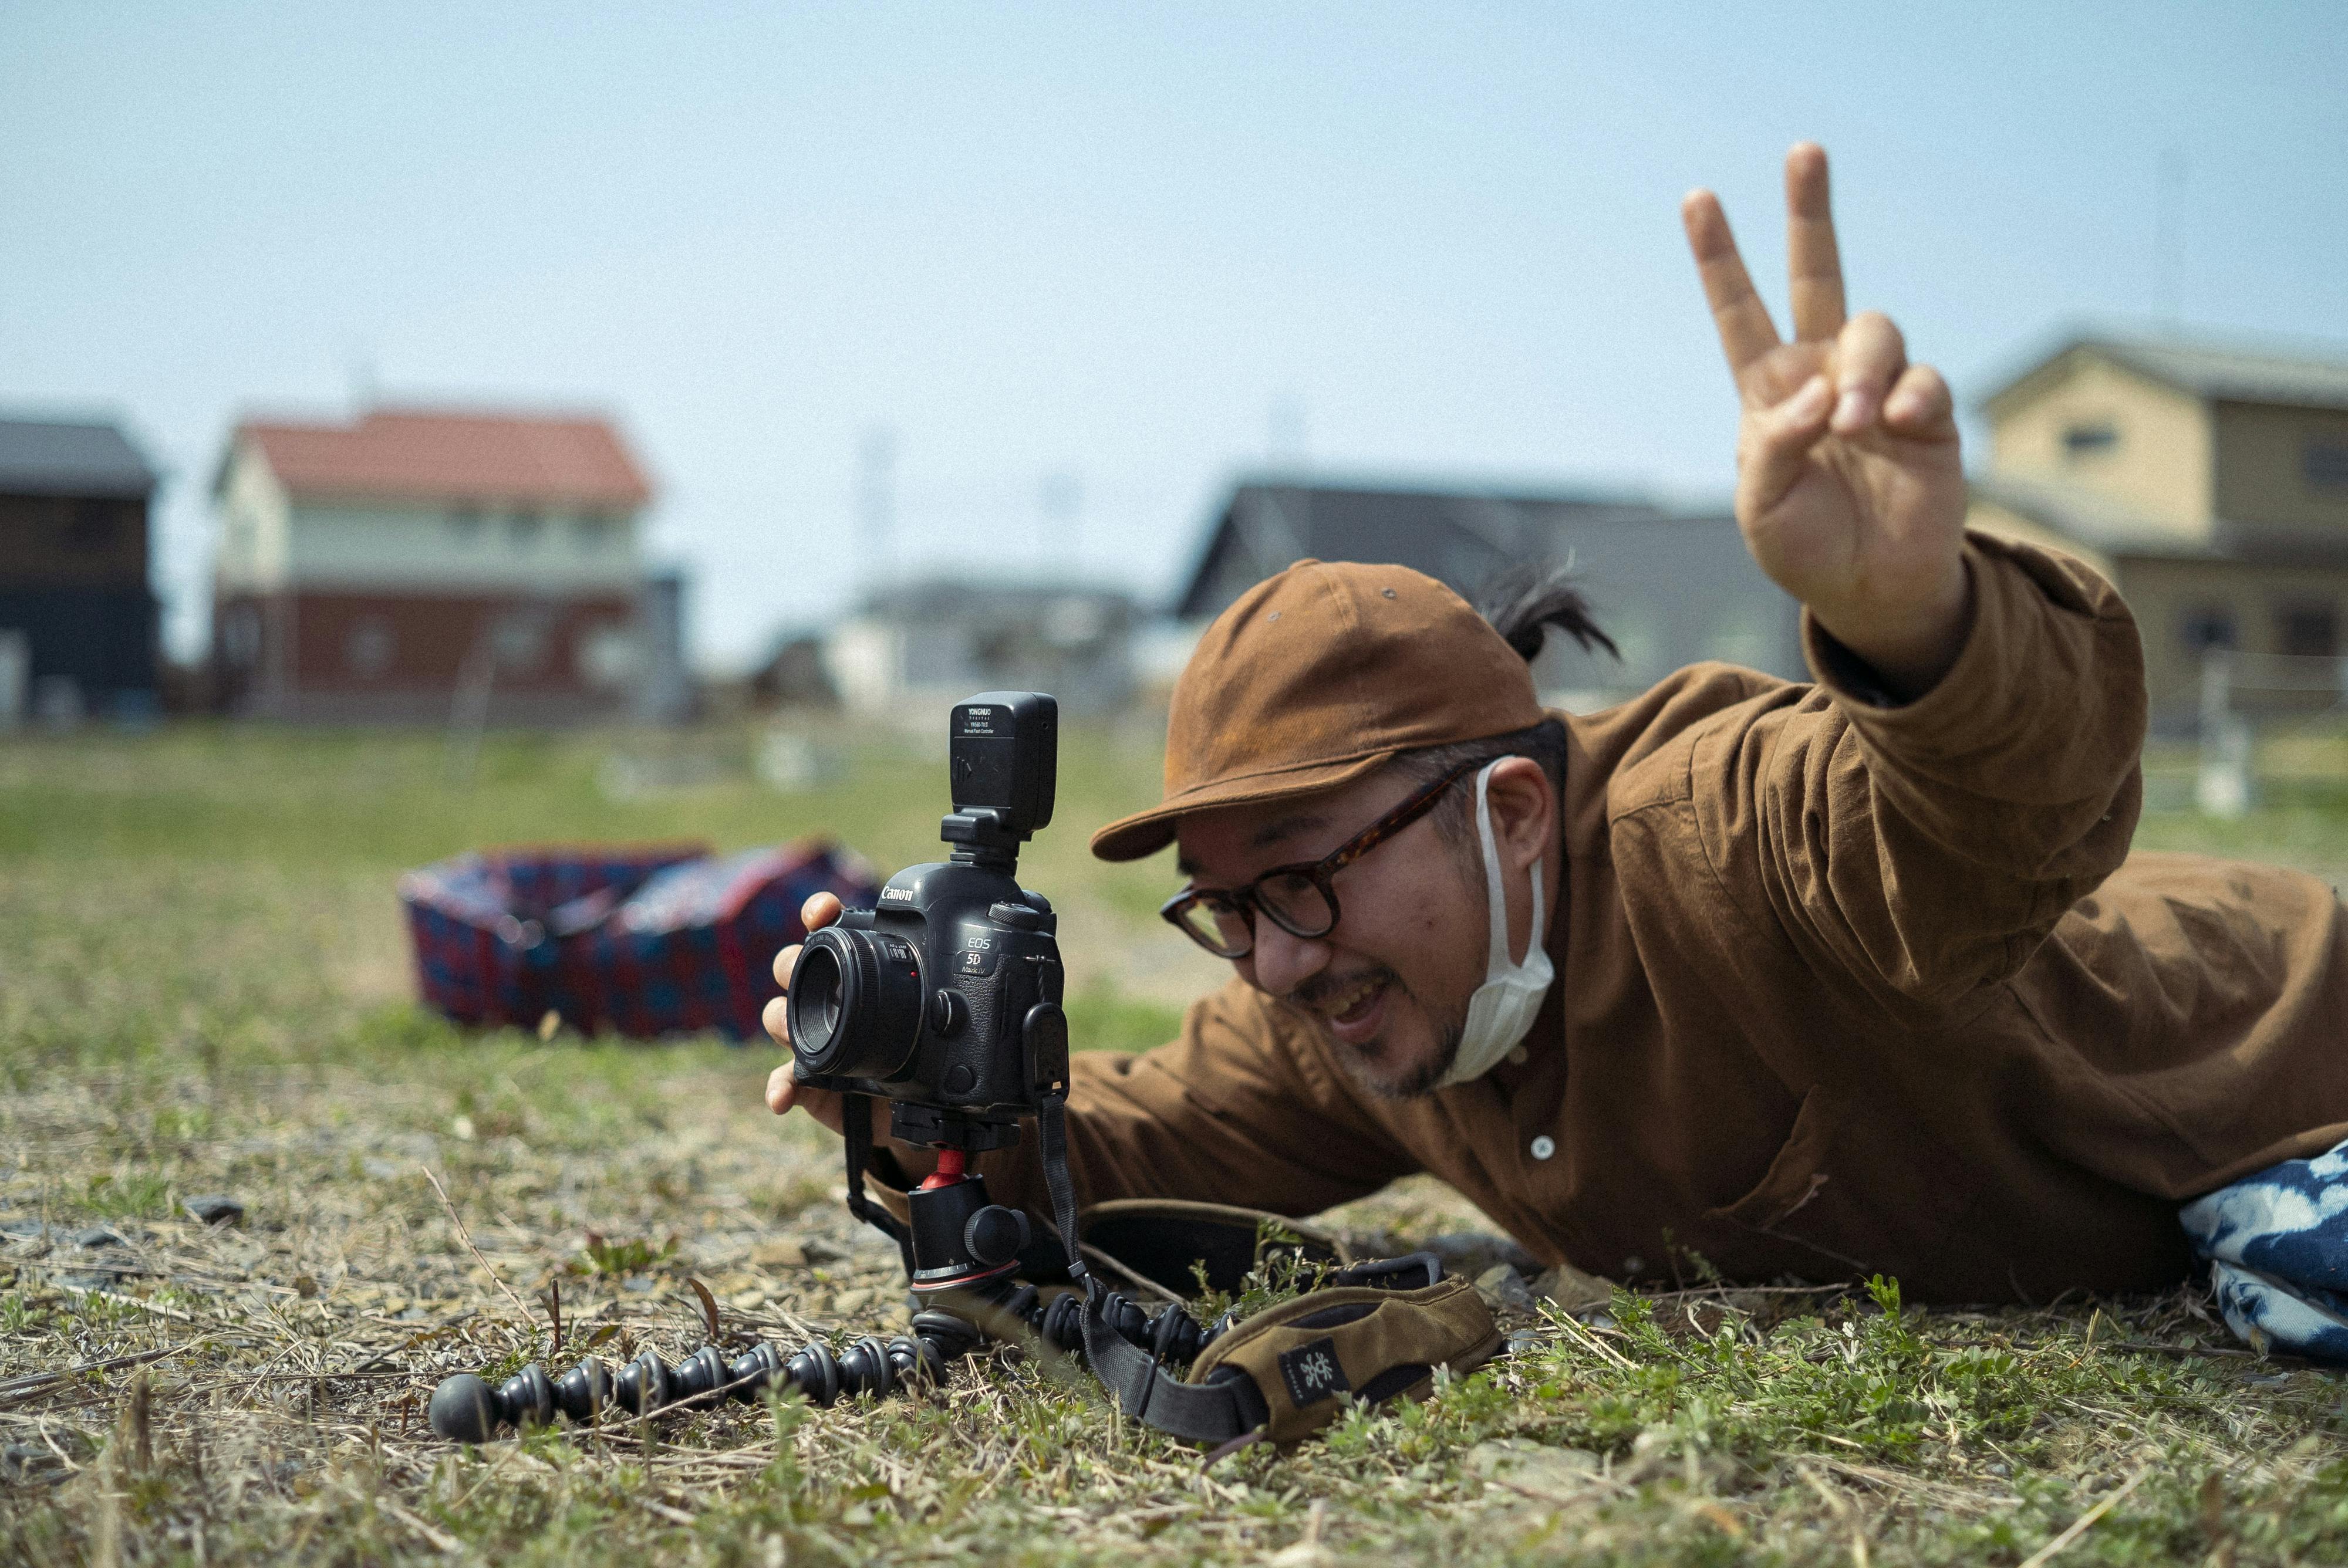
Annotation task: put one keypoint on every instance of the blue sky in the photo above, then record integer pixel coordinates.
(1145, 247)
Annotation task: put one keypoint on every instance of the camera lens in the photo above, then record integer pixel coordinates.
(855, 1004)
(814, 1004)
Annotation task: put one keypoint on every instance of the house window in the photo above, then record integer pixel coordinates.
(369, 647)
(2210, 626)
(608, 655)
(523, 525)
(465, 522)
(2087, 440)
(241, 637)
(519, 641)
(593, 530)
(2325, 464)
(2308, 631)
(91, 532)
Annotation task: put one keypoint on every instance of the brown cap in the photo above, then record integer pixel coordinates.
(1316, 677)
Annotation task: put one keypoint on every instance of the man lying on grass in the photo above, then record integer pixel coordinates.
(1816, 979)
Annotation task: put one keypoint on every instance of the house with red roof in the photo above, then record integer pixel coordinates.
(415, 563)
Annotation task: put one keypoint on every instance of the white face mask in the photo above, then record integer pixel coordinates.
(1501, 1012)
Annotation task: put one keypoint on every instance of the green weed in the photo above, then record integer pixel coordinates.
(131, 1195)
(627, 1254)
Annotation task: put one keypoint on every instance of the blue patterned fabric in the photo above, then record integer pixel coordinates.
(2277, 1249)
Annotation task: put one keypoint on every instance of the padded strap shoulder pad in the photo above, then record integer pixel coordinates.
(1308, 1358)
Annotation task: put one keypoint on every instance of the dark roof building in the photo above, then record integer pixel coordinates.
(77, 611)
(43, 457)
(1458, 537)
(1671, 587)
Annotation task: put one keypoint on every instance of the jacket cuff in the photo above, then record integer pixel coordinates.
(2047, 632)
(1853, 682)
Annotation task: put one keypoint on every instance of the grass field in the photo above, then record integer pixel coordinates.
(204, 990)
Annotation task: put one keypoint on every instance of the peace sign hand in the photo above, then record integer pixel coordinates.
(1850, 490)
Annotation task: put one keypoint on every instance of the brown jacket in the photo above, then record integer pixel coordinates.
(1841, 989)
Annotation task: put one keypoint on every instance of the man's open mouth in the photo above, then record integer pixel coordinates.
(1354, 1012)
(1354, 1003)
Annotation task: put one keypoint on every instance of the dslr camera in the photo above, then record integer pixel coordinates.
(944, 998)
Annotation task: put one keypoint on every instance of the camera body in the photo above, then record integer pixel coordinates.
(944, 998)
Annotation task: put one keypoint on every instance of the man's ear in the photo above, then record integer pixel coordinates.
(1524, 810)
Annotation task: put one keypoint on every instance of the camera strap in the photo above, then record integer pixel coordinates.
(1376, 1330)
(1052, 1133)
(1141, 1384)
(1214, 1412)
(856, 1128)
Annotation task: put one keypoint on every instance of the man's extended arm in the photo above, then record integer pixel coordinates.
(1967, 768)
(1925, 848)
(1233, 1110)
(1237, 1108)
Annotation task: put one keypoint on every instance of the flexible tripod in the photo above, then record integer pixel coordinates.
(960, 1251)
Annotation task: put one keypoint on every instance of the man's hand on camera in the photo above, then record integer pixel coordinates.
(784, 1090)
(1850, 486)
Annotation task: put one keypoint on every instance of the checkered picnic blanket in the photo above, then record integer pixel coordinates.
(644, 941)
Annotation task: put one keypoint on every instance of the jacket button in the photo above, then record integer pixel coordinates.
(1543, 1147)
(1520, 1056)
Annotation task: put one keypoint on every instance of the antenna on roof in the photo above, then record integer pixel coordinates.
(363, 390)
(1284, 432)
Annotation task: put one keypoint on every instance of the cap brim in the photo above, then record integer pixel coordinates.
(1145, 833)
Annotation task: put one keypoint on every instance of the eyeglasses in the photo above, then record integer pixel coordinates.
(1302, 899)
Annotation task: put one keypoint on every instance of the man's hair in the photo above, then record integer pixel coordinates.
(1522, 602)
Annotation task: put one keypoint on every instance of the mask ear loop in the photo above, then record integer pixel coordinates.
(1500, 961)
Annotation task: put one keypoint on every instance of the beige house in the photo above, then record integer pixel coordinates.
(2211, 485)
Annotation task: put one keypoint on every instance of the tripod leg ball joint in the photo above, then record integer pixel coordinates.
(466, 1408)
(963, 1250)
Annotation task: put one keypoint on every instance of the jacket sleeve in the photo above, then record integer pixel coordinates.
(1926, 849)
(1240, 1107)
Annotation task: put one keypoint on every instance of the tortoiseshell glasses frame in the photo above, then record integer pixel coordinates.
(1301, 898)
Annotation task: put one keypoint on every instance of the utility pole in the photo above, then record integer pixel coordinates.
(876, 505)
(1060, 504)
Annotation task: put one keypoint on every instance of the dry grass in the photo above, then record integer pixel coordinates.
(188, 1011)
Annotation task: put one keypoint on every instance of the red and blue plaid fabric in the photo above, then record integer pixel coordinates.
(643, 941)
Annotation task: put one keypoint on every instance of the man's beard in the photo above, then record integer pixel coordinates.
(1361, 1066)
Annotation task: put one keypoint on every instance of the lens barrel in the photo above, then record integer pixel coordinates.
(855, 1004)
